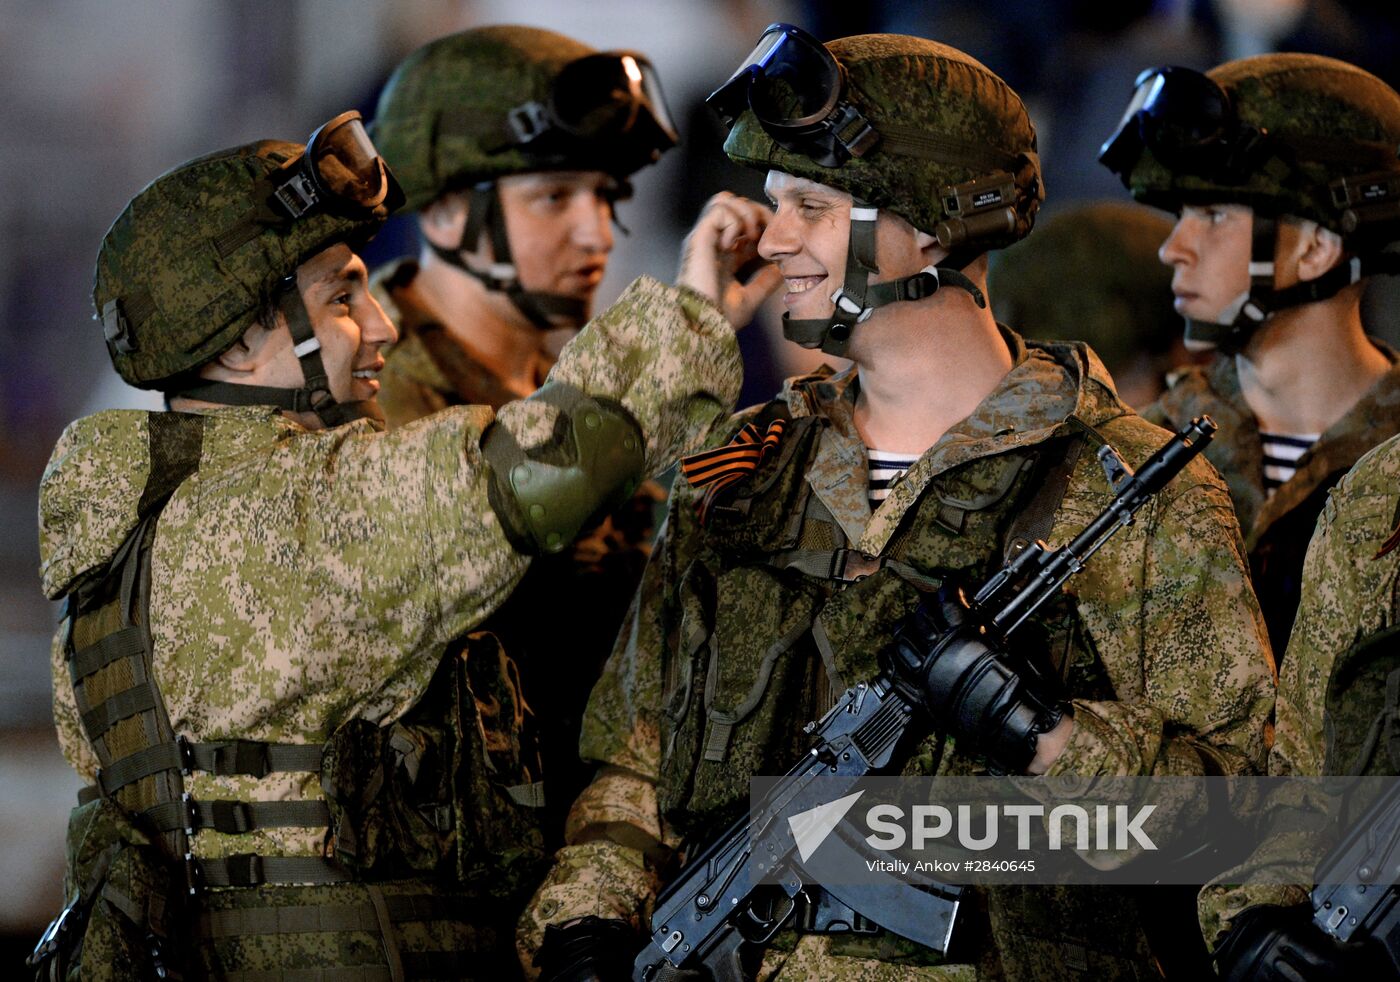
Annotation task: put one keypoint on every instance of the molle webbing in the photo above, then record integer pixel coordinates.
(143, 763)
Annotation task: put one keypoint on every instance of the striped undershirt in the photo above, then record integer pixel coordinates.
(885, 469)
(1281, 453)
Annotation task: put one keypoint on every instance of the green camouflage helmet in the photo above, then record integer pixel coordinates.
(450, 116)
(193, 258)
(950, 130)
(1105, 253)
(1320, 124)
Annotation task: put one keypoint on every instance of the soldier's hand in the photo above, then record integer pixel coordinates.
(1269, 943)
(990, 698)
(721, 248)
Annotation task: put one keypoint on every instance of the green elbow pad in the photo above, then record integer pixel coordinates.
(545, 498)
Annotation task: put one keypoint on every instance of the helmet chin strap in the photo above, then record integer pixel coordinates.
(546, 311)
(1244, 315)
(858, 298)
(314, 395)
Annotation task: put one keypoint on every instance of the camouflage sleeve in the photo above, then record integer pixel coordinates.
(1349, 592)
(668, 355)
(1172, 614)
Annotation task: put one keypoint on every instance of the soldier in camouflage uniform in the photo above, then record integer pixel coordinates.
(782, 573)
(288, 776)
(471, 126)
(1339, 688)
(1283, 170)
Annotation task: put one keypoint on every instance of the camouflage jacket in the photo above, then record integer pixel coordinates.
(1165, 646)
(301, 579)
(1351, 593)
(1330, 692)
(585, 589)
(1277, 528)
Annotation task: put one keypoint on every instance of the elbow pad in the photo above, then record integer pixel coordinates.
(546, 497)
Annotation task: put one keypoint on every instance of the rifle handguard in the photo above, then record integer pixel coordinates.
(1269, 943)
(587, 949)
(981, 693)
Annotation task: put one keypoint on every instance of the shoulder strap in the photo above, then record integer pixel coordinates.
(1053, 471)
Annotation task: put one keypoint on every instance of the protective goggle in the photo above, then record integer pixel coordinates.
(609, 96)
(796, 89)
(1190, 125)
(341, 171)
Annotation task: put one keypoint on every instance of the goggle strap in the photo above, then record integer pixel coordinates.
(910, 141)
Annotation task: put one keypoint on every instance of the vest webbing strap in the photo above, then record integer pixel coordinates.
(527, 795)
(235, 817)
(326, 918)
(223, 758)
(109, 712)
(124, 643)
(251, 870)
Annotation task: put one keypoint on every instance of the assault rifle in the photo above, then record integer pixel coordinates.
(1356, 897)
(748, 883)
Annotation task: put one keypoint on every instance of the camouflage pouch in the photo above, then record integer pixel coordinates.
(445, 789)
(119, 921)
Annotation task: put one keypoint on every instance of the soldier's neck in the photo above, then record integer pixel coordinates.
(484, 323)
(1309, 366)
(924, 366)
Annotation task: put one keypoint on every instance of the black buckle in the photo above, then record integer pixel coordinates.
(249, 757)
(194, 876)
(245, 870)
(185, 752)
(527, 122)
(191, 814)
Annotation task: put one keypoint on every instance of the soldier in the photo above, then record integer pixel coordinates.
(1336, 714)
(513, 145)
(793, 552)
(287, 775)
(1284, 173)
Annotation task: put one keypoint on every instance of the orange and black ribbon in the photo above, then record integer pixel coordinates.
(714, 470)
(1388, 545)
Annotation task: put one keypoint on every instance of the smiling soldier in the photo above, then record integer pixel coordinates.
(794, 552)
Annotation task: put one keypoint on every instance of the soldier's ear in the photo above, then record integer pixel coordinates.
(251, 350)
(1319, 249)
(441, 221)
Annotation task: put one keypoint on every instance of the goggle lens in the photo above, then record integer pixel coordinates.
(346, 163)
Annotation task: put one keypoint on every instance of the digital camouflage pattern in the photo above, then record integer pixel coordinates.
(308, 582)
(1277, 528)
(1332, 686)
(441, 120)
(1333, 682)
(1307, 100)
(1106, 253)
(585, 590)
(934, 94)
(1159, 638)
(194, 256)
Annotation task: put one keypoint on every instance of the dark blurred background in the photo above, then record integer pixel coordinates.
(97, 98)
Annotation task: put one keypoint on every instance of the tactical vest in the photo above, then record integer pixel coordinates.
(778, 614)
(430, 832)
